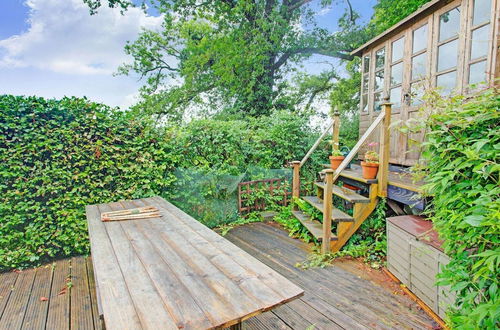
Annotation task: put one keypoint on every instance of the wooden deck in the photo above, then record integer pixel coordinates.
(334, 298)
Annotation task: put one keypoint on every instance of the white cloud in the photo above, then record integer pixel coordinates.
(64, 38)
(324, 11)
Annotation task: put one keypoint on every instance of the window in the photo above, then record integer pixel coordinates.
(480, 41)
(379, 79)
(418, 62)
(397, 52)
(364, 87)
(447, 50)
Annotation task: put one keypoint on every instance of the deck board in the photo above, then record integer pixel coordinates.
(334, 298)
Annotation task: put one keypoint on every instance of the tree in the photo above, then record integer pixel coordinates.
(234, 56)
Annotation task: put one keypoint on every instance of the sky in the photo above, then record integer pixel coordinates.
(55, 48)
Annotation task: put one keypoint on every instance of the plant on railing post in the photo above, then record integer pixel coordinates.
(384, 148)
(296, 179)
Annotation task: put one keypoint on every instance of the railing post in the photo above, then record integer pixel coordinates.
(327, 211)
(336, 130)
(296, 179)
(384, 151)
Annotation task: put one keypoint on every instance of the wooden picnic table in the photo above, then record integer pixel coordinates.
(172, 272)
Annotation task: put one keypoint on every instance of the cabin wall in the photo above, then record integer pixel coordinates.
(451, 47)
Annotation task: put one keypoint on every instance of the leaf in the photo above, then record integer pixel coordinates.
(474, 220)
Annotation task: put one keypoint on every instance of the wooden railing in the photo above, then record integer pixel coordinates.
(384, 149)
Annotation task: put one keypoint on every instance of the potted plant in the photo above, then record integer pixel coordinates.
(336, 158)
(370, 165)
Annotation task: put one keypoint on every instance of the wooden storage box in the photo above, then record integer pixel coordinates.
(415, 256)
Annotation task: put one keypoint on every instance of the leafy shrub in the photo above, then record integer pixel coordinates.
(57, 157)
(463, 154)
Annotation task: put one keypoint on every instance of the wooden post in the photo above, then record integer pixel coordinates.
(384, 149)
(296, 179)
(336, 130)
(327, 211)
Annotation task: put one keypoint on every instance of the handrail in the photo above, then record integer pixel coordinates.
(358, 145)
(316, 144)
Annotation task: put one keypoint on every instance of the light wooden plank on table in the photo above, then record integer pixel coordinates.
(183, 307)
(266, 274)
(6, 286)
(148, 304)
(36, 312)
(215, 309)
(209, 257)
(210, 277)
(13, 315)
(59, 300)
(115, 299)
(81, 305)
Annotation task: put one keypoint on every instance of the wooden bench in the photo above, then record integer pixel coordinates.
(172, 272)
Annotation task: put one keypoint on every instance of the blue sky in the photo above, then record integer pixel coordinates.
(53, 48)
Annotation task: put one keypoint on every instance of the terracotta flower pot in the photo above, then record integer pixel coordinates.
(370, 170)
(335, 161)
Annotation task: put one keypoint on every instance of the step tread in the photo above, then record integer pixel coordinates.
(337, 215)
(345, 193)
(354, 174)
(314, 227)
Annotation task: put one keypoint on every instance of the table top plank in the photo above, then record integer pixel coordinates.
(175, 266)
(148, 304)
(247, 280)
(264, 273)
(116, 303)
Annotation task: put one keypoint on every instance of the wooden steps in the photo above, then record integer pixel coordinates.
(345, 193)
(315, 227)
(337, 215)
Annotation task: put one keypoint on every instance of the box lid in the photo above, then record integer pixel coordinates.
(418, 227)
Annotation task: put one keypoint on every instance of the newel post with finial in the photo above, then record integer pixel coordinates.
(385, 146)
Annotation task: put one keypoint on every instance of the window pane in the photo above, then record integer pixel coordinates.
(365, 83)
(398, 47)
(419, 66)
(480, 41)
(366, 64)
(416, 92)
(397, 74)
(377, 101)
(364, 103)
(449, 24)
(447, 82)
(477, 72)
(380, 58)
(379, 80)
(396, 97)
(482, 11)
(447, 55)
(420, 38)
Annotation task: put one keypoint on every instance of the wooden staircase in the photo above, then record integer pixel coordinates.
(363, 206)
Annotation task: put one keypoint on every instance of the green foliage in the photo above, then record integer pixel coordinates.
(250, 218)
(463, 165)
(369, 242)
(57, 157)
(294, 227)
(389, 12)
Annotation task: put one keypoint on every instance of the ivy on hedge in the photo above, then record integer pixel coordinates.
(463, 154)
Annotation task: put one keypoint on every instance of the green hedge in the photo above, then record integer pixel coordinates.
(60, 155)
(463, 152)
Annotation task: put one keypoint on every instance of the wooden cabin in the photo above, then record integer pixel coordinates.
(446, 44)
